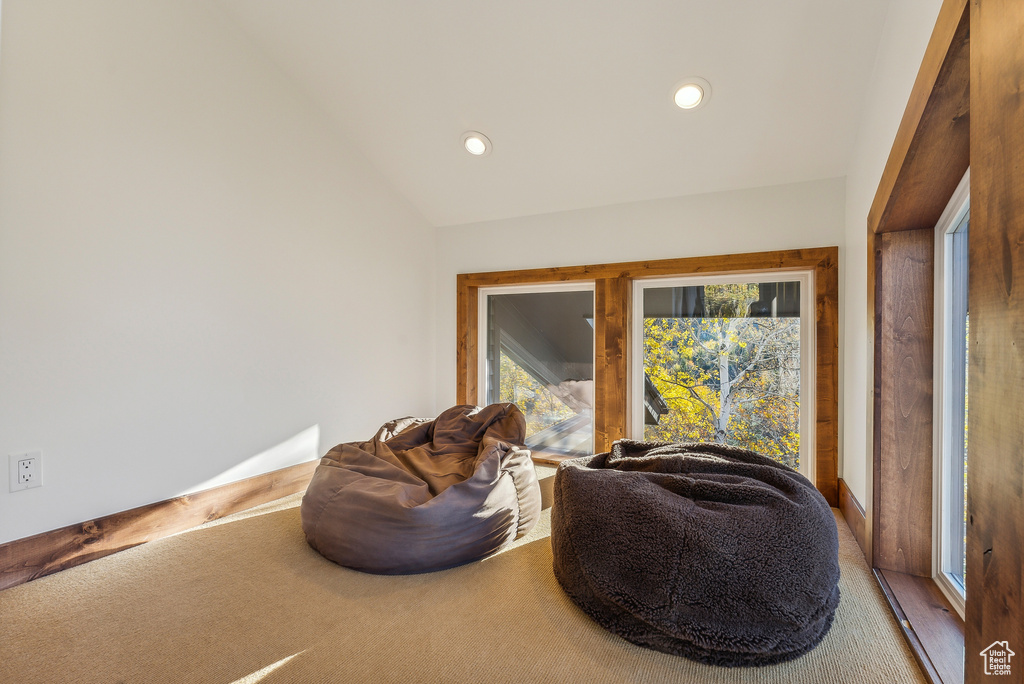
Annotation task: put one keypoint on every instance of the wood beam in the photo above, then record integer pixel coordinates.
(784, 260)
(826, 410)
(466, 342)
(995, 479)
(903, 486)
(612, 323)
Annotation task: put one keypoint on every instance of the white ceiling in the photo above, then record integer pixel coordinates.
(576, 95)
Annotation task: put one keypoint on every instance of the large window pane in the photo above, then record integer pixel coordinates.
(540, 356)
(722, 364)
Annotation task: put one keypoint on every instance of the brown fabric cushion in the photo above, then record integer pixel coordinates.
(424, 495)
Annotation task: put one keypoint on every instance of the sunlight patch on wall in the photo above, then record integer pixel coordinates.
(305, 446)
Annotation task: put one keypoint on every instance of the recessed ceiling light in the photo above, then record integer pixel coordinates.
(476, 143)
(691, 93)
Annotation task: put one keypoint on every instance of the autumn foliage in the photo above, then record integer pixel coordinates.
(727, 378)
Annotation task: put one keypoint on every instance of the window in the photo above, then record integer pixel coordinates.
(539, 356)
(567, 345)
(720, 361)
(953, 325)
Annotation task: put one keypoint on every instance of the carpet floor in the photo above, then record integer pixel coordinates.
(244, 599)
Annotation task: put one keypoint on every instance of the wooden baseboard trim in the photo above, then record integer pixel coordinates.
(933, 630)
(854, 515)
(43, 554)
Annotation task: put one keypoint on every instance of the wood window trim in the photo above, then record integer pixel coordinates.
(613, 319)
(928, 623)
(931, 150)
(995, 478)
(930, 154)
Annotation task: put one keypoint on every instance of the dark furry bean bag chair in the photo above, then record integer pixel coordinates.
(424, 495)
(701, 550)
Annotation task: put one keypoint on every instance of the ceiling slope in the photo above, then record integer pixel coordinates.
(576, 96)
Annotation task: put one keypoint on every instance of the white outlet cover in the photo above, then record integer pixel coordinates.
(16, 484)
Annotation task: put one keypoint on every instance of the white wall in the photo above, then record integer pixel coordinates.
(752, 220)
(801, 215)
(908, 27)
(200, 280)
(194, 268)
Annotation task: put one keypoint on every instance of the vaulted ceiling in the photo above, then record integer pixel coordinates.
(576, 95)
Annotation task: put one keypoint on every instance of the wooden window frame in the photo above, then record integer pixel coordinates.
(964, 111)
(613, 285)
(929, 156)
(808, 445)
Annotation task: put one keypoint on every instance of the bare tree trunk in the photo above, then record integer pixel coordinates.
(725, 384)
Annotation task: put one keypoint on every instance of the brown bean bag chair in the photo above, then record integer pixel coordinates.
(424, 495)
(707, 551)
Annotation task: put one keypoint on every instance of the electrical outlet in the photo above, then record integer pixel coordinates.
(26, 470)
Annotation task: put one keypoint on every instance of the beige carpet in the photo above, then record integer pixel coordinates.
(245, 599)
